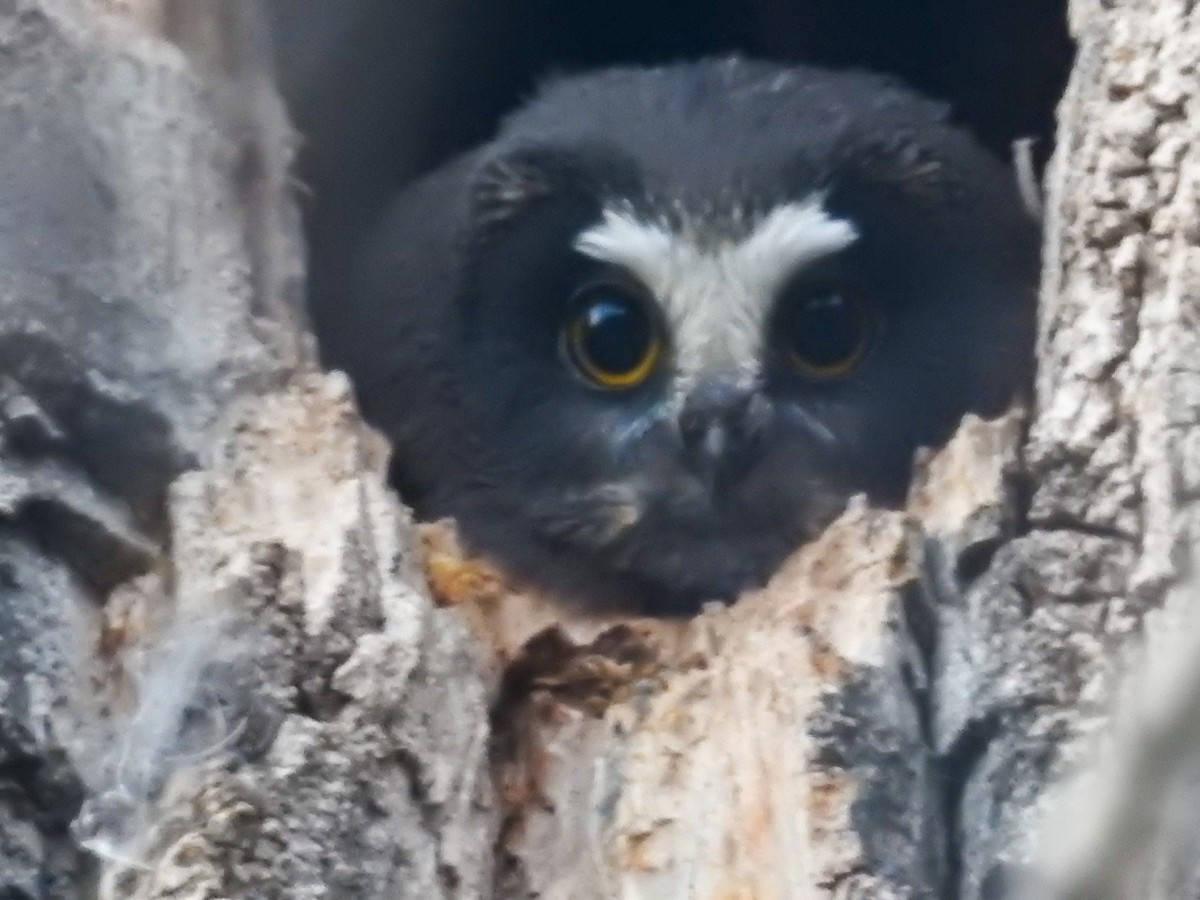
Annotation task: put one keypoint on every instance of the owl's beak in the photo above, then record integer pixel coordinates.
(720, 427)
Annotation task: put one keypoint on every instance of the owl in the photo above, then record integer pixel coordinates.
(655, 334)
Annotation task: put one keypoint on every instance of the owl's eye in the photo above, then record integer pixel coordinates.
(826, 329)
(611, 337)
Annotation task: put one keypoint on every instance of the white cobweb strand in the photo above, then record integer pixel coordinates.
(117, 820)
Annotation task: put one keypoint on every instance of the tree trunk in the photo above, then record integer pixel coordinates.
(232, 667)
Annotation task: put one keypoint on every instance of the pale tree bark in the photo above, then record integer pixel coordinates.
(231, 667)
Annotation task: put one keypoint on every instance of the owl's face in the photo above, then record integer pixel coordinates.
(695, 310)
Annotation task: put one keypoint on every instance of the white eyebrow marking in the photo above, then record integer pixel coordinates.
(716, 296)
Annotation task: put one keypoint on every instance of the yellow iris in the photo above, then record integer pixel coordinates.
(612, 339)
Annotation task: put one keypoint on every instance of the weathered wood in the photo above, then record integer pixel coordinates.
(124, 293)
(778, 748)
(1113, 448)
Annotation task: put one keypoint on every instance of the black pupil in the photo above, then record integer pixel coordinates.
(615, 335)
(827, 329)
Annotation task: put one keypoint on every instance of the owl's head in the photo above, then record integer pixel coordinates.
(658, 331)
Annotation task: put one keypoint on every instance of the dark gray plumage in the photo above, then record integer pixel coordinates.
(657, 332)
